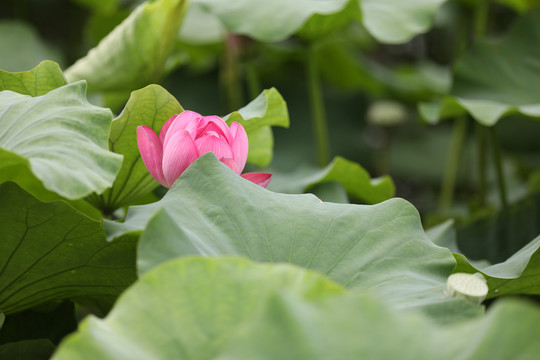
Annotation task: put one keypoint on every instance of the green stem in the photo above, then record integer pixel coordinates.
(480, 24)
(459, 132)
(480, 18)
(318, 113)
(230, 76)
(497, 158)
(481, 142)
(253, 83)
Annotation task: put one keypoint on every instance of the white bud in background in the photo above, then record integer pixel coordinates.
(386, 113)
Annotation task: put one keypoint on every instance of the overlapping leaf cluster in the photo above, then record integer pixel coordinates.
(218, 267)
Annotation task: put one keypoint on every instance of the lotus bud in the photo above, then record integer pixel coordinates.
(185, 137)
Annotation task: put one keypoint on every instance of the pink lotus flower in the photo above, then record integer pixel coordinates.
(185, 137)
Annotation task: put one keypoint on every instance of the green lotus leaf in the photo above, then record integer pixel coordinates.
(52, 252)
(191, 32)
(389, 21)
(270, 20)
(134, 53)
(227, 308)
(267, 109)
(57, 142)
(151, 106)
(212, 211)
(517, 275)
(495, 78)
(354, 178)
(395, 21)
(40, 80)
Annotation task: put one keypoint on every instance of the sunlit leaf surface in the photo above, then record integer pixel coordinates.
(212, 211)
(226, 308)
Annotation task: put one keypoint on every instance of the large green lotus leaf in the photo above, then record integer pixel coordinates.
(40, 80)
(308, 27)
(389, 21)
(320, 25)
(267, 109)
(58, 138)
(495, 78)
(396, 21)
(202, 302)
(360, 327)
(191, 32)
(519, 274)
(212, 211)
(50, 252)
(22, 47)
(227, 308)
(354, 178)
(151, 106)
(134, 53)
(269, 20)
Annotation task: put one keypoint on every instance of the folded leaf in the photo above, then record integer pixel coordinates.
(57, 141)
(134, 53)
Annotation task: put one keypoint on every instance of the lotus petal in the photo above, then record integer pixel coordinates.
(151, 152)
(262, 179)
(178, 154)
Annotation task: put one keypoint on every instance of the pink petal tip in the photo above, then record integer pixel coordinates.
(261, 179)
